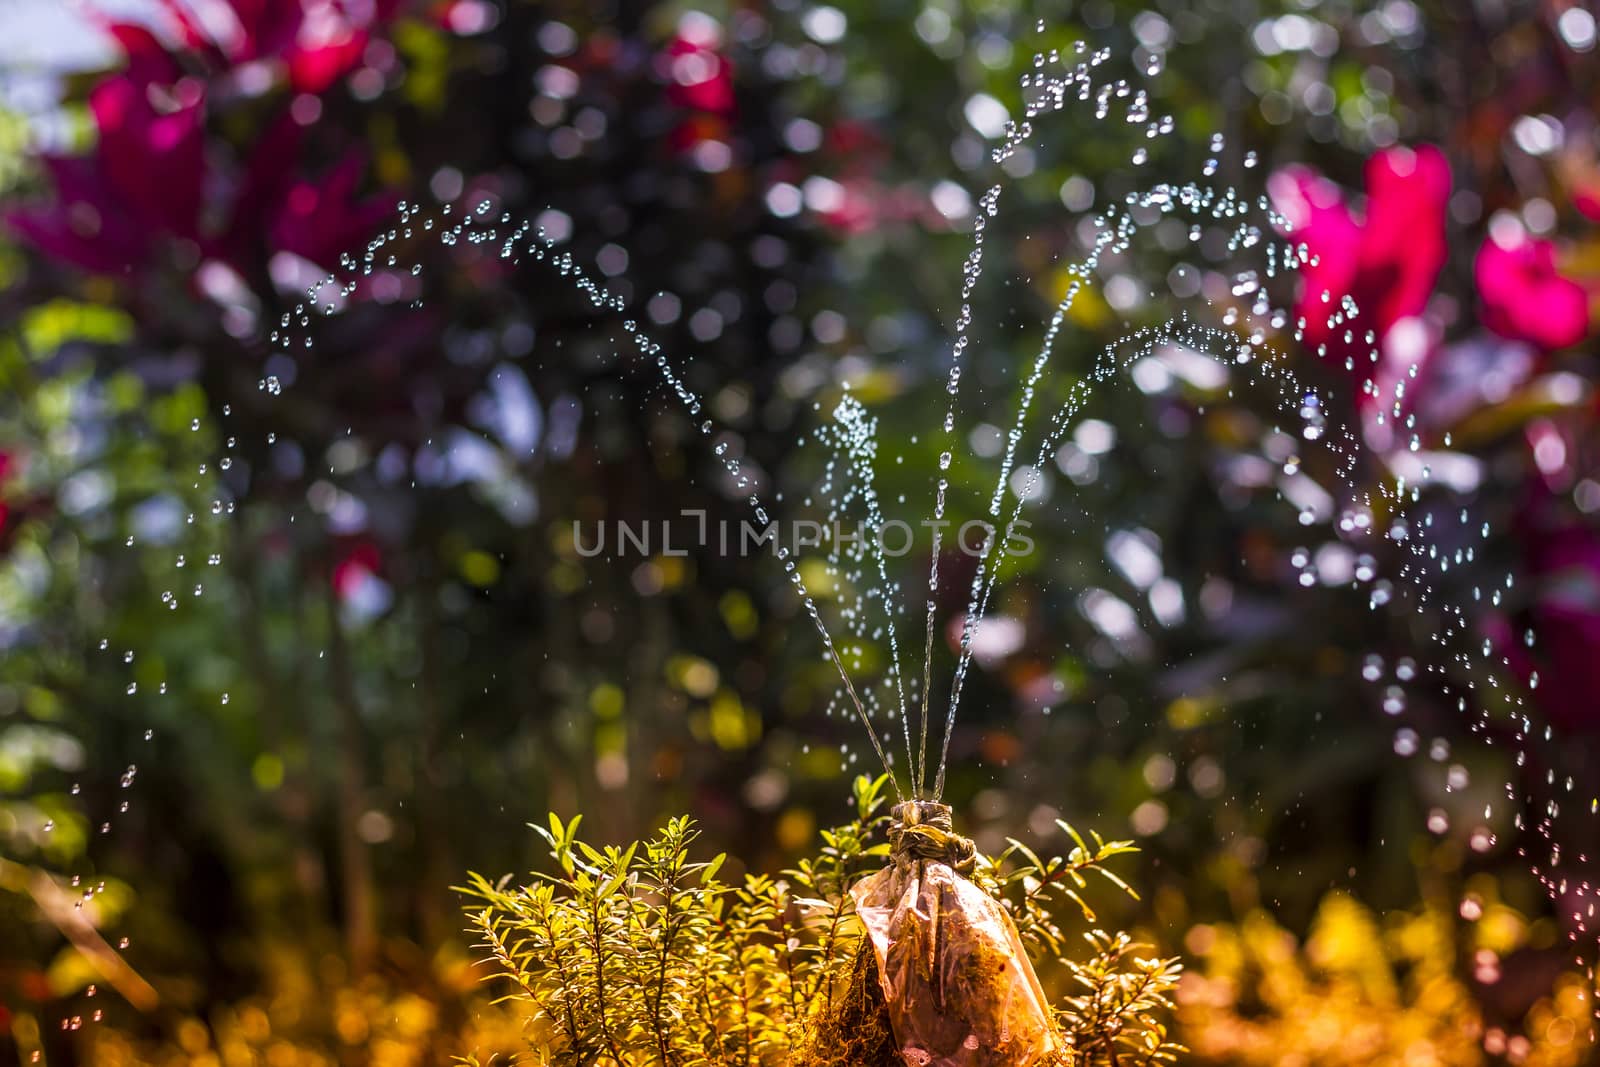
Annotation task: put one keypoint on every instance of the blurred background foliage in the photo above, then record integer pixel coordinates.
(293, 638)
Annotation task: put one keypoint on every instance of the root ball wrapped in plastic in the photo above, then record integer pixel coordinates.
(959, 989)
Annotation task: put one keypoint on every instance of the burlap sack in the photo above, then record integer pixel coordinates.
(959, 987)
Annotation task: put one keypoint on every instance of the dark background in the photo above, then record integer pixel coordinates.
(399, 658)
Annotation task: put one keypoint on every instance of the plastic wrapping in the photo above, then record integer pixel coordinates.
(959, 988)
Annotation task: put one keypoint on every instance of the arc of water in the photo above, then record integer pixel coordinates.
(1050, 93)
(1419, 547)
(1428, 564)
(535, 242)
(1114, 232)
(971, 270)
(1059, 423)
(1046, 92)
(858, 441)
(651, 350)
(985, 580)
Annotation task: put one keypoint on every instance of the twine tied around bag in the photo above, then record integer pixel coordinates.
(924, 830)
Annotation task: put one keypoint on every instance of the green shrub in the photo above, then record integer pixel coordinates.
(641, 955)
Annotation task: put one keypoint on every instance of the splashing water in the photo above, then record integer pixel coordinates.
(1403, 512)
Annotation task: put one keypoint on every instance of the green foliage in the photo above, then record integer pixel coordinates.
(1039, 880)
(642, 955)
(1117, 1019)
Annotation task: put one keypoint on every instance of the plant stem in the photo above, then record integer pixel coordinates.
(600, 978)
(669, 890)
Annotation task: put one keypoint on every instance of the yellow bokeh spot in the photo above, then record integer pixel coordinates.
(794, 829)
(821, 584)
(674, 571)
(49, 326)
(267, 771)
(739, 613)
(193, 1036)
(606, 701)
(125, 391)
(351, 1024)
(1186, 713)
(731, 726)
(695, 676)
(427, 63)
(566, 577)
(610, 739)
(479, 568)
